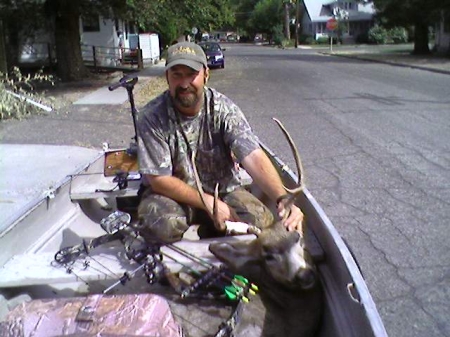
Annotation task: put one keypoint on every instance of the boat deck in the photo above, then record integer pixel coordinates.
(29, 171)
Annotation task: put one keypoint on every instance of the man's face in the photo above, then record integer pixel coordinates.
(186, 85)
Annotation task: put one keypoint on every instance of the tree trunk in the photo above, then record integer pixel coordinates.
(70, 66)
(3, 64)
(12, 28)
(421, 38)
(287, 32)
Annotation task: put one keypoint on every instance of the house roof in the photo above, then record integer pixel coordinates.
(319, 10)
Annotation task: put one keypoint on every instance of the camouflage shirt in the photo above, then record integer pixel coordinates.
(219, 130)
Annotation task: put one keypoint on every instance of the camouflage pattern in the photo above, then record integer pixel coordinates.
(217, 131)
(164, 219)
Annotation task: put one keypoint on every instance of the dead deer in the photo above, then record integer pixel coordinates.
(278, 262)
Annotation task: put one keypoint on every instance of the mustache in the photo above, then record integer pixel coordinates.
(183, 90)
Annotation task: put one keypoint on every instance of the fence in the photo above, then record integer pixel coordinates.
(101, 57)
(43, 54)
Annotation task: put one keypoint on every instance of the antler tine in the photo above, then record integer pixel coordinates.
(298, 161)
(214, 212)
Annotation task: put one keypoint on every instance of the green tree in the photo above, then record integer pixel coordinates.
(267, 16)
(167, 17)
(417, 13)
(243, 10)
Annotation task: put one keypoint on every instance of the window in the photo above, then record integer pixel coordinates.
(91, 23)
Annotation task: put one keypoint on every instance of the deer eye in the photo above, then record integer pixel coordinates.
(269, 257)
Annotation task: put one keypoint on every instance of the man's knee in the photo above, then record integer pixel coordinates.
(161, 219)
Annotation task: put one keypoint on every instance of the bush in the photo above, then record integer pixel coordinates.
(305, 39)
(381, 35)
(323, 40)
(277, 35)
(378, 35)
(24, 86)
(398, 35)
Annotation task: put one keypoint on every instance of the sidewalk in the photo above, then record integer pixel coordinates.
(104, 96)
(398, 55)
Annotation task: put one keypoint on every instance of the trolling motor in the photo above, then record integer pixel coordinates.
(128, 82)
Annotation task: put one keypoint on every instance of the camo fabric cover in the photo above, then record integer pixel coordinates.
(219, 130)
(94, 315)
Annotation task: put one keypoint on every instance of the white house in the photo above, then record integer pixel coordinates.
(103, 34)
(359, 17)
(98, 32)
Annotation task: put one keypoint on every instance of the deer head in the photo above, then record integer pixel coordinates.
(275, 257)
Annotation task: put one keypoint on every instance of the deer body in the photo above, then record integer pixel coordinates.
(291, 300)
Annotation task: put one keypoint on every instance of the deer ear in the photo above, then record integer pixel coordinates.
(235, 254)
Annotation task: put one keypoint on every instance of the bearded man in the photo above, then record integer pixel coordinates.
(192, 118)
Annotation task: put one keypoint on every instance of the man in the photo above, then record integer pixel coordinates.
(193, 118)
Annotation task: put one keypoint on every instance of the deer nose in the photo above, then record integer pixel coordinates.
(306, 277)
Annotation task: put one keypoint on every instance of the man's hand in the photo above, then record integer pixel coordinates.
(294, 219)
(224, 213)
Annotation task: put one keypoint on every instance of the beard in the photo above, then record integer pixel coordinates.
(186, 101)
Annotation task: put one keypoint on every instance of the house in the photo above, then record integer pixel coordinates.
(99, 41)
(104, 35)
(116, 41)
(442, 42)
(357, 16)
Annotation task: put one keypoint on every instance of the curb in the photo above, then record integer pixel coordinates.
(368, 59)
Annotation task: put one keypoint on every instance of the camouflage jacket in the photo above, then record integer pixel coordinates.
(217, 132)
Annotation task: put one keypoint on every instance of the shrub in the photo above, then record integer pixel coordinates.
(398, 35)
(378, 35)
(323, 40)
(17, 89)
(277, 35)
(306, 39)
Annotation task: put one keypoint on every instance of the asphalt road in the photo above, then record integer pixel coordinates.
(375, 144)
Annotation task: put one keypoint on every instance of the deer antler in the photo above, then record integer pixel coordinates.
(298, 161)
(213, 213)
(293, 193)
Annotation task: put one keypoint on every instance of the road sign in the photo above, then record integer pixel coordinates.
(194, 30)
(332, 24)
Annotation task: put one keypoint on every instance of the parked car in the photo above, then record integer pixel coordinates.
(214, 54)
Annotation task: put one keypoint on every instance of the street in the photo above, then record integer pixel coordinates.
(375, 145)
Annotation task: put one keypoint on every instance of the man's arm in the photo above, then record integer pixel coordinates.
(178, 190)
(264, 174)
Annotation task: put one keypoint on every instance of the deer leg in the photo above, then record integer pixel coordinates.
(249, 209)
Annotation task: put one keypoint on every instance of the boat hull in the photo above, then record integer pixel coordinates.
(77, 205)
